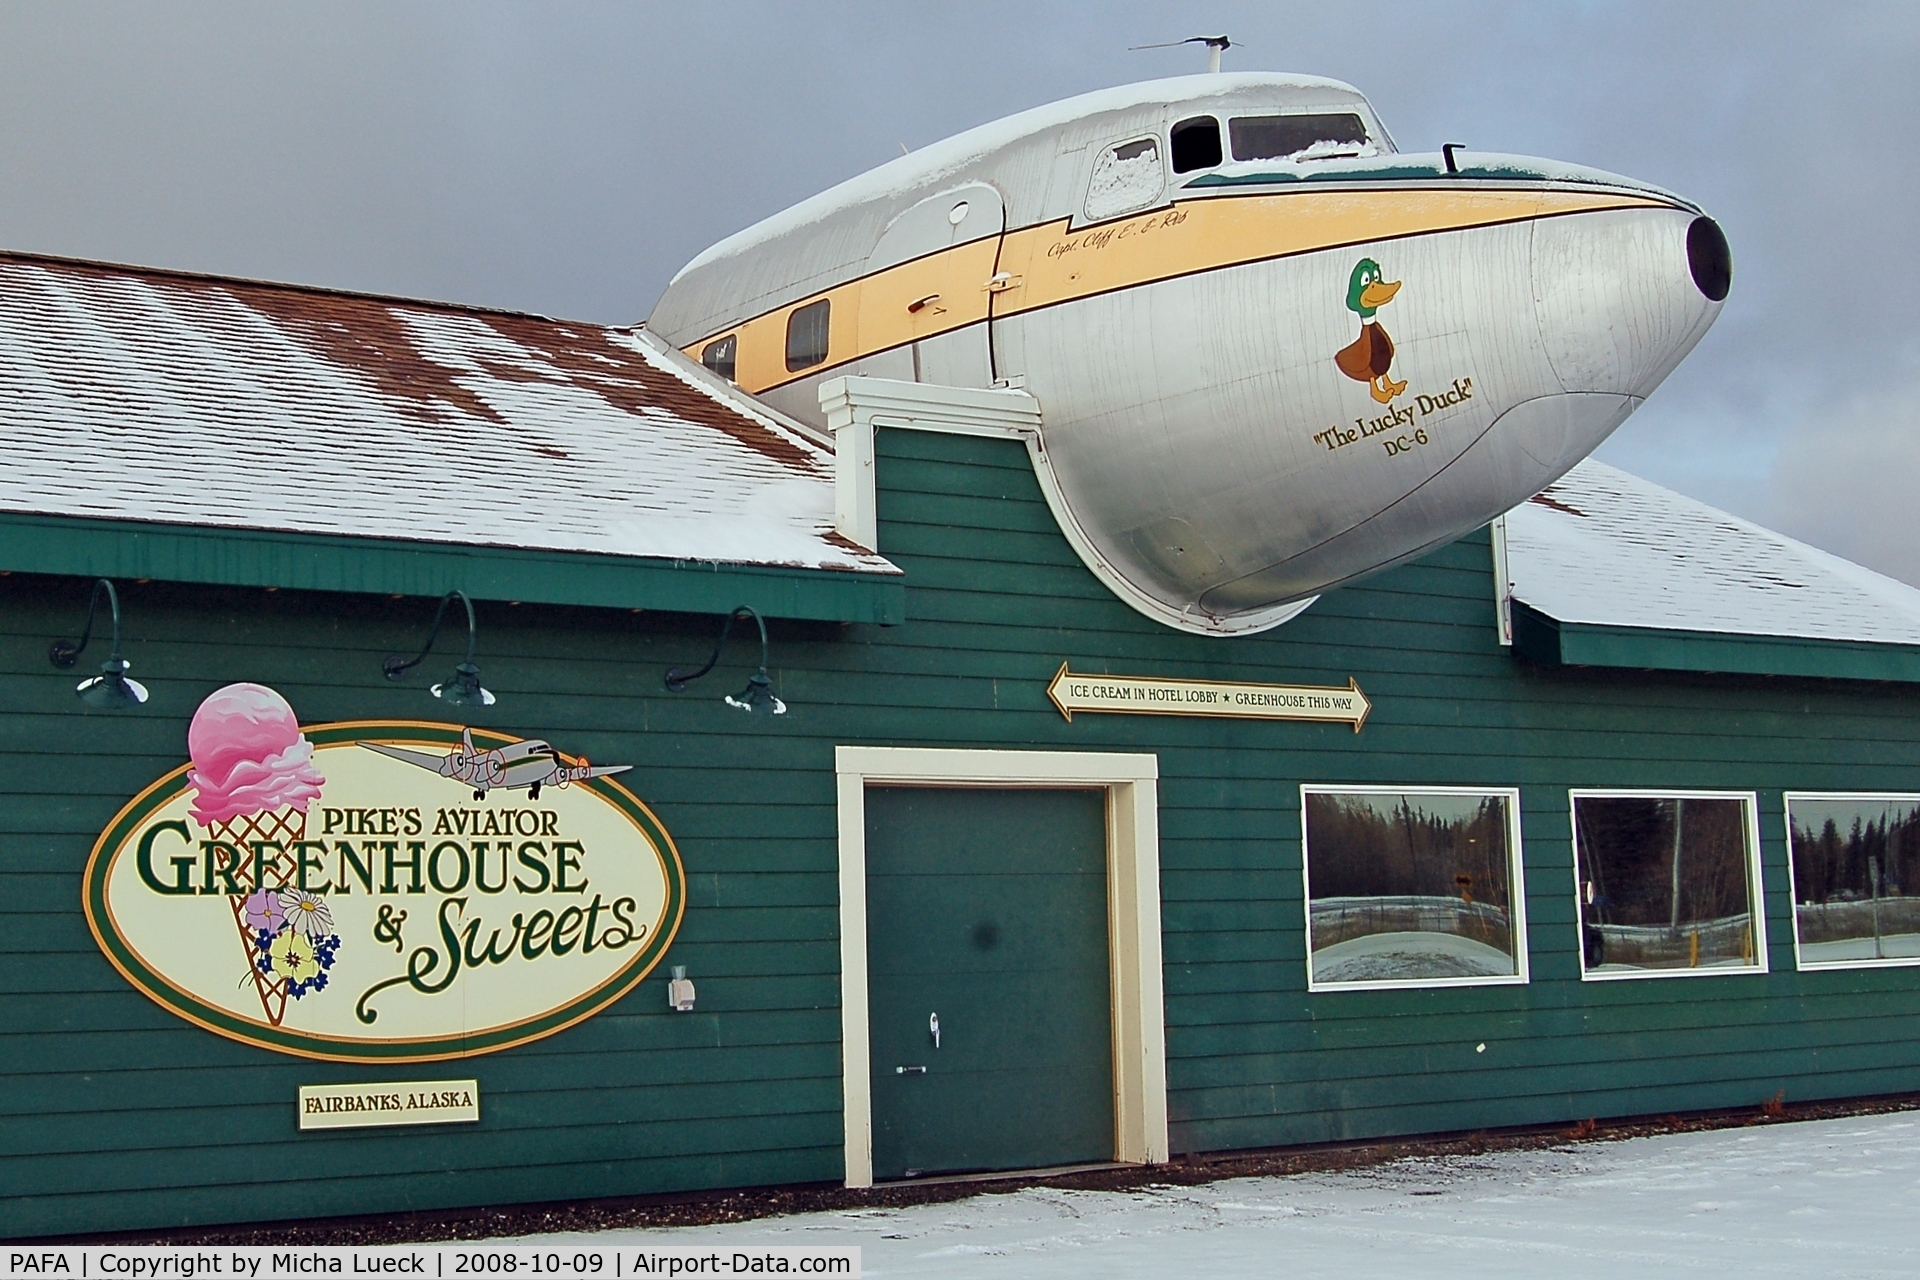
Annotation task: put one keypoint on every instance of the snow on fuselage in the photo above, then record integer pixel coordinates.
(1268, 361)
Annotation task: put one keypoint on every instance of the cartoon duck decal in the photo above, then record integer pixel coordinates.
(1370, 357)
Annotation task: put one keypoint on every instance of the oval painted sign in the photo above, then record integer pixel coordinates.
(381, 891)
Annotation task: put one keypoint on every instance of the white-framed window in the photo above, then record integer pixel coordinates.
(1326, 135)
(1855, 862)
(808, 330)
(1668, 883)
(1126, 178)
(722, 355)
(1195, 144)
(1412, 886)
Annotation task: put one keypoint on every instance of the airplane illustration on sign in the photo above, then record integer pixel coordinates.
(529, 763)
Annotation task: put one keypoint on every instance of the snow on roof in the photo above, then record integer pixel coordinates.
(1604, 547)
(951, 155)
(134, 394)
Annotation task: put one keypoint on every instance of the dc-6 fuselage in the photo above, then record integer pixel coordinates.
(1272, 354)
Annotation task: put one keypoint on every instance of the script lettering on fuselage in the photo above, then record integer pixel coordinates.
(1101, 237)
(1402, 429)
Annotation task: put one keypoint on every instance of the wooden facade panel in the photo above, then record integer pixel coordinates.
(1523, 1062)
(47, 1214)
(746, 1089)
(420, 1153)
(575, 1074)
(527, 1118)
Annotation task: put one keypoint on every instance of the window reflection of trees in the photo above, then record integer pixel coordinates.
(1856, 877)
(1411, 864)
(1664, 881)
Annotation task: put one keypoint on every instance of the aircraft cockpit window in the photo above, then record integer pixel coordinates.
(720, 355)
(1196, 144)
(1125, 178)
(1324, 136)
(807, 336)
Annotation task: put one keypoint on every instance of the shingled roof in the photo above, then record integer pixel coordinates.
(1627, 573)
(1603, 546)
(139, 395)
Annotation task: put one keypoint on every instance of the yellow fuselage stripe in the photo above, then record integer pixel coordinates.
(1049, 264)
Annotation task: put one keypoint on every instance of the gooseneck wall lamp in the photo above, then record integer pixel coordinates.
(757, 698)
(110, 690)
(464, 689)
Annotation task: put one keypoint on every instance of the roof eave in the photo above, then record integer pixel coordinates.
(128, 549)
(1552, 642)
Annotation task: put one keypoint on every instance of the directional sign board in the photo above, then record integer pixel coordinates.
(1142, 695)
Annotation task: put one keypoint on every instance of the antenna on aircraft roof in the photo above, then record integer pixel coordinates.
(1215, 46)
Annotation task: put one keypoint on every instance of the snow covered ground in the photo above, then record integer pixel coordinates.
(1826, 1199)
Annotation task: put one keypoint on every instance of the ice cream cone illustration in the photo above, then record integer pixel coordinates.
(254, 777)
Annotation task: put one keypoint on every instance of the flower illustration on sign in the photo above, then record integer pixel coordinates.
(1369, 358)
(292, 955)
(264, 913)
(253, 778)
(307, 912)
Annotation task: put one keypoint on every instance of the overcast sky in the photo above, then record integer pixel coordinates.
(567, 158)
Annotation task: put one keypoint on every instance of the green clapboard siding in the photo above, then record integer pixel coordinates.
(113, 1114)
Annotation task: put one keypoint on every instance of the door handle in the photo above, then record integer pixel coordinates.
(909, 1071)
(933, 1025)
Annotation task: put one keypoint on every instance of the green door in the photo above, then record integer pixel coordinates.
(987, 911)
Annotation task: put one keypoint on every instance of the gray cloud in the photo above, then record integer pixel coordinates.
(566, 159)
(1847, 476)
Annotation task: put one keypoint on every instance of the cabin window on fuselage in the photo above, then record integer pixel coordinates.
(721, 355)
(1302, 137)
(807, 336)
(1196, 144)
(1125, 178)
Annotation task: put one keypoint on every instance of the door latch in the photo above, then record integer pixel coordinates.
(933, 1025)
(909, 1071)
(1003, 281)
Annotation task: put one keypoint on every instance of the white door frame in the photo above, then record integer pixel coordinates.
(1131, 782)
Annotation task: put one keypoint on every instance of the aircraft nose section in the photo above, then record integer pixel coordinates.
(1622, 295)
(1709, 258)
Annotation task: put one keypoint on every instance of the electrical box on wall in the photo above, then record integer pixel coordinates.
(680, 990)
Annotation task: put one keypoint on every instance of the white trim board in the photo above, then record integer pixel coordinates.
(1502, 581)
(1131, 782)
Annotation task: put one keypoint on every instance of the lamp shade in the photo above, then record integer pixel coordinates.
(464, 689)
(111, 690)
(757, 698)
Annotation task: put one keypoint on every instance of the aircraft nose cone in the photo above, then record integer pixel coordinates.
(1623, 294)
(1709, 259)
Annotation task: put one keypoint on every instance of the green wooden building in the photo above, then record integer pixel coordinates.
(1610, 809)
